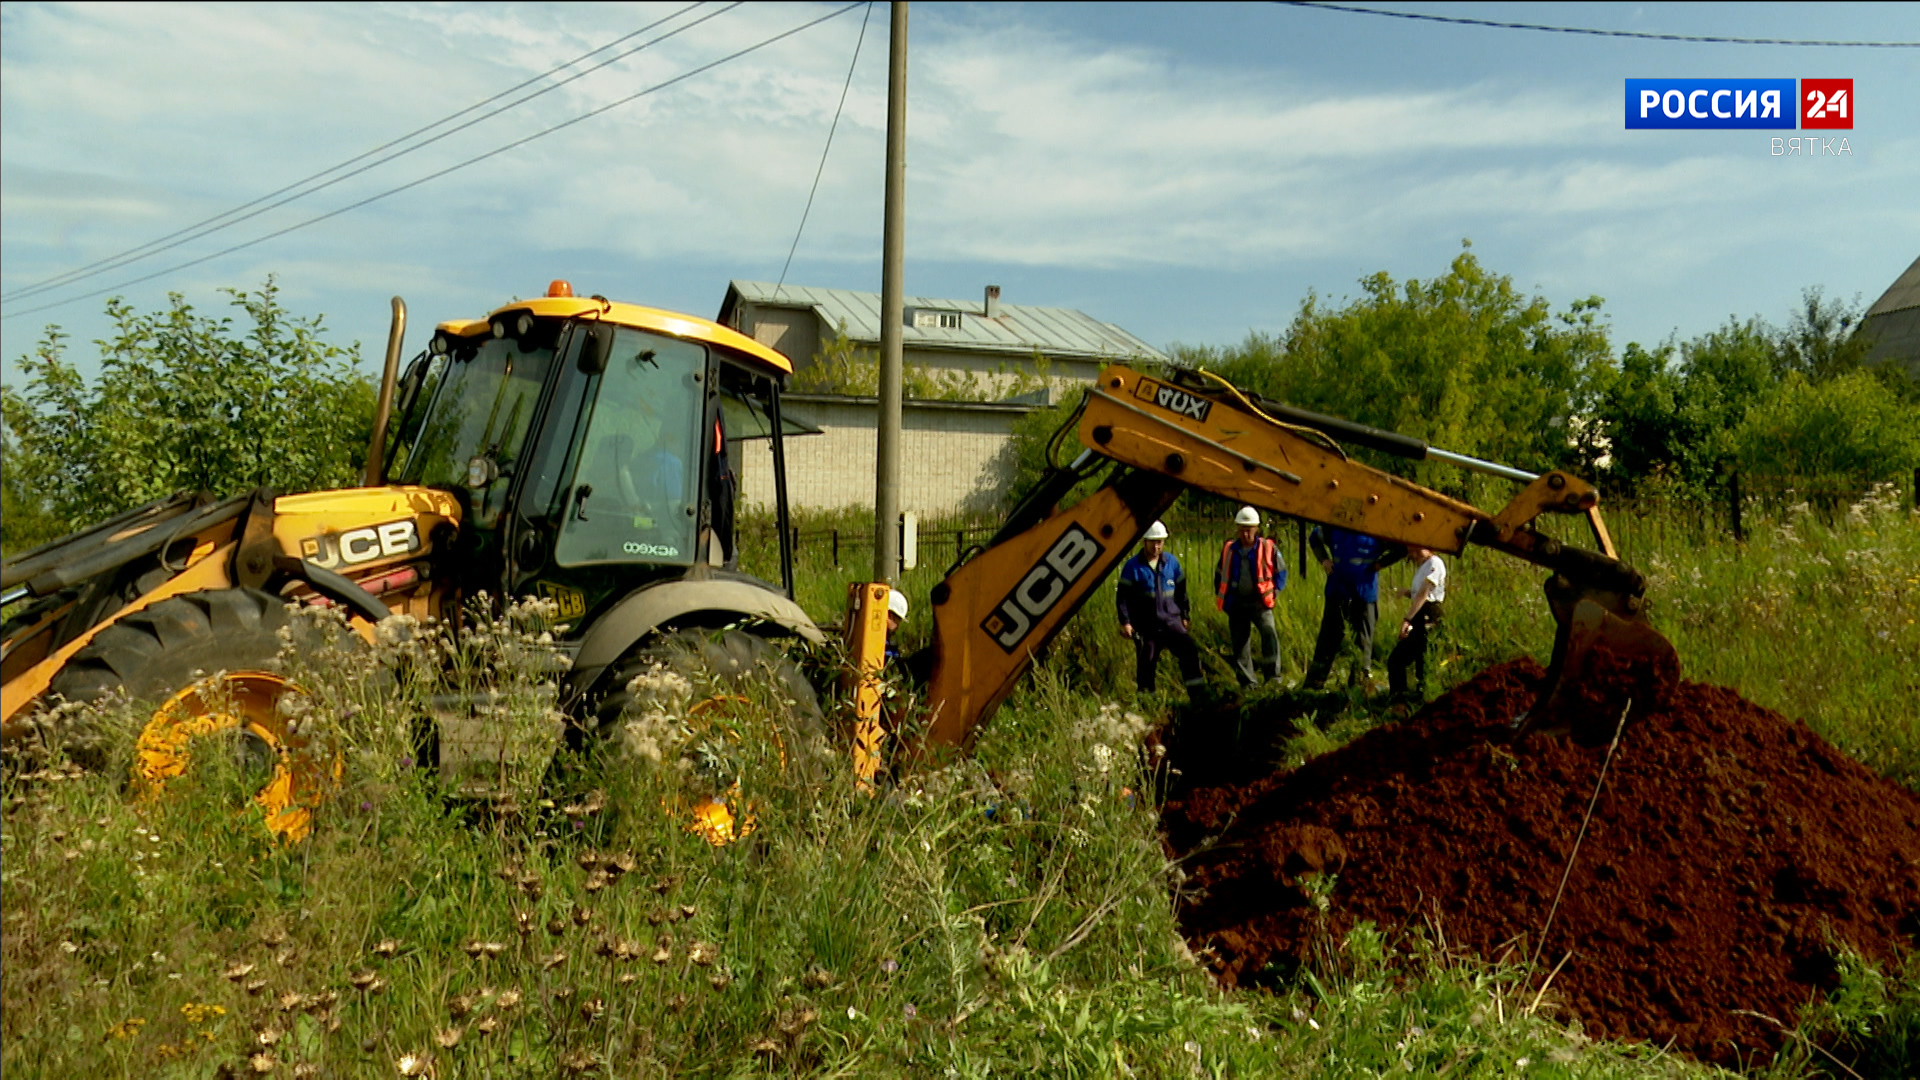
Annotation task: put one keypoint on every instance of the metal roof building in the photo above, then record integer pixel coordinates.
(1893, 322)
(957, 453)
(973, 335)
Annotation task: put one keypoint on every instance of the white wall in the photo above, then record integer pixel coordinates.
(954, 458)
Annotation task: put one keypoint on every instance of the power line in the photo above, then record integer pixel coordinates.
(1598, 33)
(216, 223)
(563, 125)
(831, 128)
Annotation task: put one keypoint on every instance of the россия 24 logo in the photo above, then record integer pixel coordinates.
(1740, 103)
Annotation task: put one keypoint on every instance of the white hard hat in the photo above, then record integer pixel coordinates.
(1155, 531)
(897, 603)
(1247, 516)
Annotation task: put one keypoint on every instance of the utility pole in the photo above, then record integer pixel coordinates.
(893, 245)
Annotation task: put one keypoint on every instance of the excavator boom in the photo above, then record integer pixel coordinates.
(1160, 436)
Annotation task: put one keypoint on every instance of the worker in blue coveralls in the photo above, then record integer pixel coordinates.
(1353, 562)
(1152, 595)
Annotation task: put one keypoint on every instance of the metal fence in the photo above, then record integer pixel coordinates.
(1747, 498)
(1744, 500)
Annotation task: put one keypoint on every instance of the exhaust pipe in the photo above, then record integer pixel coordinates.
(377, 446)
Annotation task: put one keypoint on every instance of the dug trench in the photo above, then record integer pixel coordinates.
(1731, 856)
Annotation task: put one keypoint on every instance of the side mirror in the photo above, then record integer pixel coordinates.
(409, 383)
(598, 348)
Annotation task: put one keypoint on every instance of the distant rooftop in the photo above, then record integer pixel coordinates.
(1014, 329)
(1902, 294)
(1893, 322)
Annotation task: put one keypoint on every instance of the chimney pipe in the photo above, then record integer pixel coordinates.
(993, 301)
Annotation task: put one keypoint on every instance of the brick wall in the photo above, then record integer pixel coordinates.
(955, 456)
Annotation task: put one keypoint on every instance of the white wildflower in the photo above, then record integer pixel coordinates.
(1114, 726)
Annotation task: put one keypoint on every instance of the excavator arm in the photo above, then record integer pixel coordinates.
(1157, 437)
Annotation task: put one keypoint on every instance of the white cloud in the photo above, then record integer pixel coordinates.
(1027, 148)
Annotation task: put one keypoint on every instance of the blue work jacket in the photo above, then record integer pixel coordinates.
(1357, 559)
(1149, 597)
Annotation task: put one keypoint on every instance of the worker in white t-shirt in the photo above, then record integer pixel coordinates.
(1428, 592)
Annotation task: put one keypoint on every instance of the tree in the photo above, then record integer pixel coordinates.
(184, 401)
(1669, 413)
(1679, 415)
(1464, 361)
(1820, 342)
(1847, 431)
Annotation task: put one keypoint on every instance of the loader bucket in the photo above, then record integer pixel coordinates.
(1603, 666)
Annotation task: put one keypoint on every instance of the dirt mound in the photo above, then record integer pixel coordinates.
(1730, 855)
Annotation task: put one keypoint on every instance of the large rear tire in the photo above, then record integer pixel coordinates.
(719, 673)
(724, 661)
(205, 662)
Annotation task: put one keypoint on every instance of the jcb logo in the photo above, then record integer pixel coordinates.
(1042, 587)
(1173, 399)
(572, 604)
(356, 546)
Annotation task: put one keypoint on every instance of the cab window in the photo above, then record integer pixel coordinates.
(483, 408)
(637, 485)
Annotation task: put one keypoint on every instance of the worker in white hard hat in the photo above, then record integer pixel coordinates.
(1246, 580)
(1154, 613)
(896, 614)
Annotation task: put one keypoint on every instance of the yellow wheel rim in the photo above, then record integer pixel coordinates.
(247, 702)
(722, 819)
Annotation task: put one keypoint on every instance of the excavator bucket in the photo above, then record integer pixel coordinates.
(1603, 666)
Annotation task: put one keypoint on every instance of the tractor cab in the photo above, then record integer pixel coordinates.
(594, 447)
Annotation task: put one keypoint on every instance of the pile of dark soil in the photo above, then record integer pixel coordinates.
(1731, 855)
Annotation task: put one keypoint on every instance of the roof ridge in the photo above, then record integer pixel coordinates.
(1016, 329)
(1902, 295)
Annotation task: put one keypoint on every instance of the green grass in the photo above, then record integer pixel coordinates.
(1007, 916)
(1816, 619)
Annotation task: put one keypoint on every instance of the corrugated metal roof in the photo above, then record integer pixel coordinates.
(1902, 294)
(1018, 330)
(1893, 323)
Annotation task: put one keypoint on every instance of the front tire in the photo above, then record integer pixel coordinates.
(156, 652)
(206, 662)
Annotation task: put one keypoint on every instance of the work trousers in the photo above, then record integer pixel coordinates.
(1411, 651)
(1150, 641)
(1343, 615)
(1241, 625)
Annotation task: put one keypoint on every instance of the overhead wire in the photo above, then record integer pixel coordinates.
(831, 128)
(1639, 34)
(218, 221)
(437, 174)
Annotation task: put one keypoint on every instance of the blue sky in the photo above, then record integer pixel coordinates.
(1187, 171)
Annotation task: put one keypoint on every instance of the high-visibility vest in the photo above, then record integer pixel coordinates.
(1266, 564)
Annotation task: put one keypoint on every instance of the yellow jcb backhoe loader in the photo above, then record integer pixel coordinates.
(563, 447)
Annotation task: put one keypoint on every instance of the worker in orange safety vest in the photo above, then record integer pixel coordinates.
(1249, 574)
